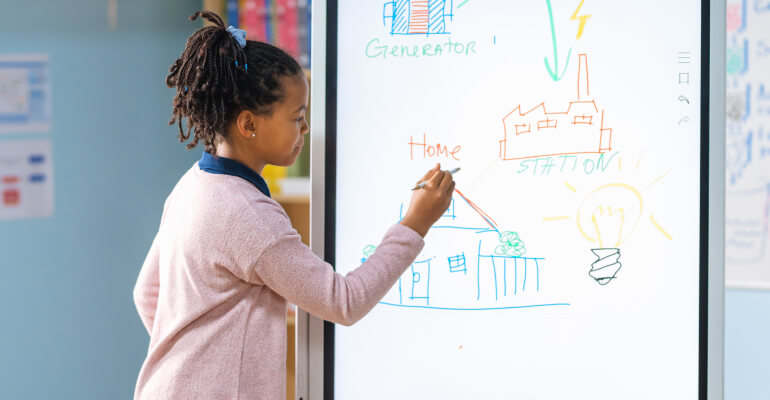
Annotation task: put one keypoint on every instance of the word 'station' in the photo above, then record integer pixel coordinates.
(425, 150)
(544, 166)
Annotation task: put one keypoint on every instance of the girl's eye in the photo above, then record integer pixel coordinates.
(300, 118)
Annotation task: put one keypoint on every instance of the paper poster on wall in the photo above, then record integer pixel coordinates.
(26, 179)
(747, 223)
(25, 93)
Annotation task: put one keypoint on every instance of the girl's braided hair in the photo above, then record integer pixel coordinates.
(215, 79)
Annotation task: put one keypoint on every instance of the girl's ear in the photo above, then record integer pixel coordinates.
(247, 123)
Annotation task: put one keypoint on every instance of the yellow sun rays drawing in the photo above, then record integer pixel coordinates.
(610, 213)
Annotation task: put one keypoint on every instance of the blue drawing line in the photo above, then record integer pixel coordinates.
(399, 12)
(457, 263)
(417, 277)
(478, 309)
(748, 103)
(478, 230)
(743, 17)
(515, 275)
(462, 4)
(745, 56)
(436, 17)
(761, 7)
(478, 274)
(738, 172)
(505, 272)
(512, 257)
(427, 292)
(494, 271)
(400, 299)
(505, 283)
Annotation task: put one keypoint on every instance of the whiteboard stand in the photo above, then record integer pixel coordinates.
(716, 214)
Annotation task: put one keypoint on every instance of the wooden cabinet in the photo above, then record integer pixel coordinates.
(298, 209)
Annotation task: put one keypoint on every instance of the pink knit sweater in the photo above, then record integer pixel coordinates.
(213, 290)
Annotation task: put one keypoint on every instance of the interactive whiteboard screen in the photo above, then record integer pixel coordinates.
(568, 265)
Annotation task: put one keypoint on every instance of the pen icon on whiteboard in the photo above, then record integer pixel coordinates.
(422, 184)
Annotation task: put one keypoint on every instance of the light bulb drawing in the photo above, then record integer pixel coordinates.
(607, 217)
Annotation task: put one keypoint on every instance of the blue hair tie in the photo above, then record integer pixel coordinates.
(238, 34)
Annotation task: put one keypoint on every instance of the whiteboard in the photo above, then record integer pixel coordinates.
(572, 251)
(747, 227)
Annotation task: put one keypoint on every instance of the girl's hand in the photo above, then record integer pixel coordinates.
(431, 202)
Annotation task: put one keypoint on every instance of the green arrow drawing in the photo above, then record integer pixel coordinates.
(554, 72)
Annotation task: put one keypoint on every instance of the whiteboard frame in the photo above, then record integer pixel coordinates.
(315, 338)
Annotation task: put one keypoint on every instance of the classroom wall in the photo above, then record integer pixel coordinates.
(747, 345)
(68, 327)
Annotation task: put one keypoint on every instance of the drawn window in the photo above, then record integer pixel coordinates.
(523, 128)
(546, 123)
(457, 263)
(583, 120)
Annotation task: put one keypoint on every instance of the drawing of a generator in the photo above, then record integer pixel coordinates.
(417, 17)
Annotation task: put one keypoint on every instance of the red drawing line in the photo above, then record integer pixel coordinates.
(583, 58)
(523, 127)
(419, 17)
(476, 208)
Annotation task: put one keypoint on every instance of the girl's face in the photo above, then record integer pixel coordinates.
(280, 135)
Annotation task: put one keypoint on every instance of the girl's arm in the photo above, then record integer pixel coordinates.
(147, 285)
(289, 268)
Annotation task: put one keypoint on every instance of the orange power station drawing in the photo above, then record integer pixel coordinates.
(540, 132)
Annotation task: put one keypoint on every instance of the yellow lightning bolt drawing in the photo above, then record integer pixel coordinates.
(582, 18)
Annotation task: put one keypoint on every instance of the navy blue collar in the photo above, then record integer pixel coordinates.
(226, 166)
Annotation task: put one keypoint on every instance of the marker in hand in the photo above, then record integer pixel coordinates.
(422, 185)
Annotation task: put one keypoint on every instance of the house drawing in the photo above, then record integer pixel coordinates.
(417, 17)
(541, 131)
(476, 275)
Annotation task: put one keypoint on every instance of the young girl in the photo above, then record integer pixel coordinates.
(213, 290)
